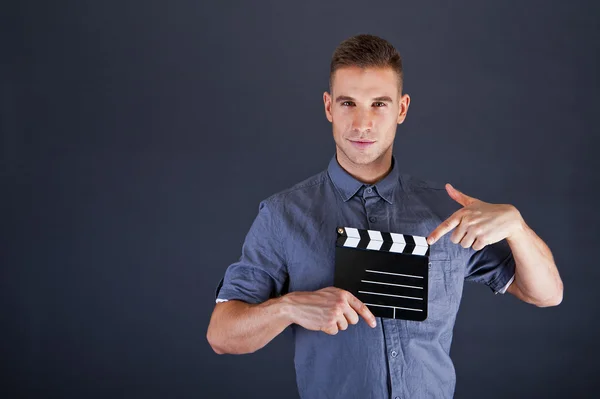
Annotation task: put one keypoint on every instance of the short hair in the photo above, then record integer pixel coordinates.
(366, 51)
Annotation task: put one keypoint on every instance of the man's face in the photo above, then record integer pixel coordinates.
(364, 108)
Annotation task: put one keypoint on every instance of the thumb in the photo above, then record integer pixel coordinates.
(459, 196)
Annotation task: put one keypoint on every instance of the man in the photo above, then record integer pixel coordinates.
(285, 274)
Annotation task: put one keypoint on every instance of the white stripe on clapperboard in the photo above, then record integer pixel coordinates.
(393, 307)
(395, 296)
(376, 241)
(395, 285)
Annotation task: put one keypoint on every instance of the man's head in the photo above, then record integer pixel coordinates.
(365, 103)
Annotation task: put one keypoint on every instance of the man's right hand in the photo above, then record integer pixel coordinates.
(329, 309)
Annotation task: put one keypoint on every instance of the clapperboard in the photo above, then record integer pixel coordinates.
(388, 272)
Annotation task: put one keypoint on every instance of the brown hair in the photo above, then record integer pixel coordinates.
(366, 51)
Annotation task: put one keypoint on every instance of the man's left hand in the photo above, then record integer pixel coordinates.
(478, 223)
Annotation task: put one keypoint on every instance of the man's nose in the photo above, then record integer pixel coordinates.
(362, 120)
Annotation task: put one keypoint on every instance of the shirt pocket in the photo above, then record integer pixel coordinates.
(442, 289)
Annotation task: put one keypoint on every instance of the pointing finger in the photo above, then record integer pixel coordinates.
(445, 227)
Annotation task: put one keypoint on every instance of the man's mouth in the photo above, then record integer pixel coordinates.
(361, 144)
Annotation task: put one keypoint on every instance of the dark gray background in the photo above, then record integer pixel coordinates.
(138, 139)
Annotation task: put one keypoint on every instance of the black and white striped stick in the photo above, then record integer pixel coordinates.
(383, 241)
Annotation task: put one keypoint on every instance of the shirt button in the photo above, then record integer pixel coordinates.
(369, 190)
(372, 219)
(397, 397)
(394, 353)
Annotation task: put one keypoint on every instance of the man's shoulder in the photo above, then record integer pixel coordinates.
(298, 190)
(414, 183)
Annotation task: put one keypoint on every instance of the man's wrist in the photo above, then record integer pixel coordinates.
(285, 307)
(519, 231)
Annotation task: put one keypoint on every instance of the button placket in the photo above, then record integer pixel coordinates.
(372, 207)
(392, 344)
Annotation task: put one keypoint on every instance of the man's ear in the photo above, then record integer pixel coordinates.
(327, 102)
(403, 109)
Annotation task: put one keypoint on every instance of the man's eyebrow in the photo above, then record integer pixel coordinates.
(348, 98)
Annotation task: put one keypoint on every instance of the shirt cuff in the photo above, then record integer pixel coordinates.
(503, 289)
(225, 300)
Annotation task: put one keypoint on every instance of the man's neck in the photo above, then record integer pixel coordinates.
(367, 174)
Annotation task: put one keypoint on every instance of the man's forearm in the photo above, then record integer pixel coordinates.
(536, 275)
(237, 327)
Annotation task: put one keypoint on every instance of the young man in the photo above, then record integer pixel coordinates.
(285, 274)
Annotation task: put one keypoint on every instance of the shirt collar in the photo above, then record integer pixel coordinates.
(348, 186)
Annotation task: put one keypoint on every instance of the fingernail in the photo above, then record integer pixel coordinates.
(374, 324)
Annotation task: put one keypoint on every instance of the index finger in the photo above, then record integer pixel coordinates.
(362, 310)
(444, 227)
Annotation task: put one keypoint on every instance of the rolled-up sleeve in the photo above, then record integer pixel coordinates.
(261, 272)
(493, 266)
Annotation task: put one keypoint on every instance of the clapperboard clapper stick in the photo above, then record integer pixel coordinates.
(388, 272)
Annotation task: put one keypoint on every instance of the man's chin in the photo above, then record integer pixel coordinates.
(358, 157)
(362, 159)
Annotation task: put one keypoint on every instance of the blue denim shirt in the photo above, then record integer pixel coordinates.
(291, 246)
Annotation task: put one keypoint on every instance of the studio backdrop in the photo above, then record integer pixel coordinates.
(138, 139)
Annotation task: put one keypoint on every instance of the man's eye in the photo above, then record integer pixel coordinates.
(379, 104)
(346, 103)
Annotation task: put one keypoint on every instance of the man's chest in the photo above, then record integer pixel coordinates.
(310, 244)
